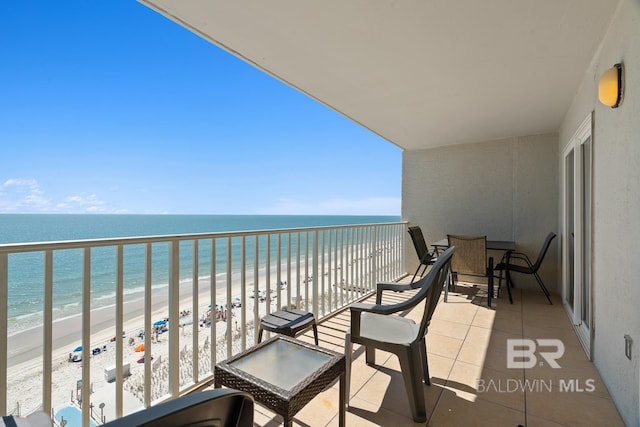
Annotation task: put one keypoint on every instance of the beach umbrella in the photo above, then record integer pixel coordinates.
(79, 348)
(139, 347)
(160, 323)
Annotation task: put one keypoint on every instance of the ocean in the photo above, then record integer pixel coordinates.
(26, 272)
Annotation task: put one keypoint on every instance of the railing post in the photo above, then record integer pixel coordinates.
(342, 269)
(344, 255)
(4, 314)
(243, 284)
(289, 270)
(298, 270)
(213, 285)
(322, 277)
(147, 310)
(47, 357)
(268, 273)
(374, 258)
(194, 312)
(119, 329)
(174, 314)
(306, 271)
(256, 287)
(279, 272)
(315, 273)
(86, 334)
(361, 240)
(243, 296)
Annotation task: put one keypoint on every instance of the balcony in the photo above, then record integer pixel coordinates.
(471, 384)
(105, 327)
(321, 270)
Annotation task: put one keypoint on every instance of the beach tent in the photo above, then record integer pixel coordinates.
(139, 347)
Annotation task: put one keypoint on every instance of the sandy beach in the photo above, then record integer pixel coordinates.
(67, 332)
(25, 348)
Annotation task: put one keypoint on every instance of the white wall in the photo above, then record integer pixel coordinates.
(616, 209)
(506, 189)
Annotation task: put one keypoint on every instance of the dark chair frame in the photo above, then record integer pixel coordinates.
(530, 268)
(412, 355)
(425, 257)
(225, 407)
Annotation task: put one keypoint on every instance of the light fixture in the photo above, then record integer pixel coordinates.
(611, 86)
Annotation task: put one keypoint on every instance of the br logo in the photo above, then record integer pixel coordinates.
(521, 353)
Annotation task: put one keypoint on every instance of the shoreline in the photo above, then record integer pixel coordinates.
(25, 373)
(25, 345)
(25, 348)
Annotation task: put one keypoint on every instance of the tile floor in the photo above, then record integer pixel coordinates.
(467, 347)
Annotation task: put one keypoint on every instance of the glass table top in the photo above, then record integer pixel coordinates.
(282, 363)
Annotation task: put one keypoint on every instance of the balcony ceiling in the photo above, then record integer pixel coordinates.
(419, 73)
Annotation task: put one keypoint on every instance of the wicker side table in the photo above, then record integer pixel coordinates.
(284, 374)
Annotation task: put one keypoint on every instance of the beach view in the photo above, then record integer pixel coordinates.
(208, 330)
(180, 178)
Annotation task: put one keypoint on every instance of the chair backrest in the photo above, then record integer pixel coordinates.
(471, 256)
(543, 250)
(439, 274)
(219, 407)
(422, 250)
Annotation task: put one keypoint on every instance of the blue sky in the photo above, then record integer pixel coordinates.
(108, 107)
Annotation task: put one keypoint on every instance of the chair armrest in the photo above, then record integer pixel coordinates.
(391, 286)
(358, 308)
(522, 257)
(428, 256)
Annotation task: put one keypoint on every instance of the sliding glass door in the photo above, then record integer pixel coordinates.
(576, 231)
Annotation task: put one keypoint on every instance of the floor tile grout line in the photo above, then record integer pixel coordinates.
(524, 373)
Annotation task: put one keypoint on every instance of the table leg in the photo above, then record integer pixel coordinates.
(315, 332)
(508, 276)
(342, 401)
(490, 281)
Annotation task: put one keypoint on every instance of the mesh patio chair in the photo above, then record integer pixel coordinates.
(219, 407)
(529, 268)
(471, 259)
(377, 327)
(425, 257)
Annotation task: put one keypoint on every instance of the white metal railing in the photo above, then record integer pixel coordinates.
(217, 285)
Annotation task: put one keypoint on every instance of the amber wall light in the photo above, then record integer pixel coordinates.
(611, 86)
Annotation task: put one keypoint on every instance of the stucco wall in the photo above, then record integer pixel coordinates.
(505, 189)
(616, 209)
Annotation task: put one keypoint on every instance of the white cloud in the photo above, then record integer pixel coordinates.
(368, 206)
(21, 195)
(20, 185)
(18, 195)
(84, 204)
